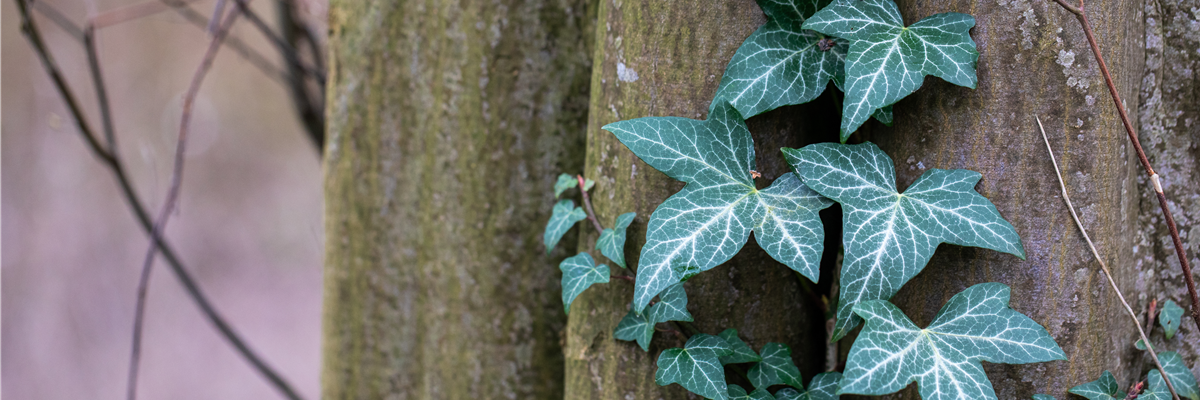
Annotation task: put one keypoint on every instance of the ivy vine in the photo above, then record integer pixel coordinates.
(860, 47)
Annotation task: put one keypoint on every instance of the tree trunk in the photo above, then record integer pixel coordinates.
(657, 58)
(1169, 116)
(448, 124)
(1035, 61)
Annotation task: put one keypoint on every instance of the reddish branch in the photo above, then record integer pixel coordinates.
(1180, 251)
(587, 203)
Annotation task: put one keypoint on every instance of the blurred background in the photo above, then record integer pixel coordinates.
(248, 226)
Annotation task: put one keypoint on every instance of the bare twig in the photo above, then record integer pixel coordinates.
(172, 199)
(587, 202)
(285, 48)
(33, 34)
(1103, 265)
(310, 108)
(89, 40)
(626, 278)
(1180, 251)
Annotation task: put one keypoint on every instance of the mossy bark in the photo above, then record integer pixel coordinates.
(1035, 61)
(448, 122)
(657, 58)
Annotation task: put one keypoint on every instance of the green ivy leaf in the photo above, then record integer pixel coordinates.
(781, 64)
(672, 306)
(1105, 388)
(708, 221)
(776, 368)
(1169, 318)
(889, 236)
(742, 353)
(737, 393)
(696, 366)
(564, 216)
(1040, 396)
(884, 115)
(887, 60)
(579, 273)
(635, 327)
(975, 325)
(565, 182)
(587, 184)
(612, 240)
(824, 386)
(1179, 374)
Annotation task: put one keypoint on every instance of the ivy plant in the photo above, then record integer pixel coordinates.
(863, 48)
(943, 358)
(1104, 388)
(887, 60)
(696, 366)
(890, 235)
(708, 221)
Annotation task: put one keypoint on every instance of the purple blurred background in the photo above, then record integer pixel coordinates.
(249, 224)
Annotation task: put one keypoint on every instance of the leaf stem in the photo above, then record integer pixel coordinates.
(1103, 265)
(1180, 252)
(587, 203)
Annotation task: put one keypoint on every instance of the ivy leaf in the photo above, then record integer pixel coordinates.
(579, 273)
(975, 325)
(887, 60)
(564, 216)
(776, 368)
(742, 353)
(889, 236)
(1040, 396)
(672, 306)
(565, 182)
(884, 115)
(1105, 388)
(1169, 318)
(696, 366)
(824, 386)
(612, 240)
(708, 221)
(780, 63)
(737, 393)
(635, 327)
(1179, 374)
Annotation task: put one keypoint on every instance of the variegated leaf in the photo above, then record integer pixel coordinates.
(890, 236)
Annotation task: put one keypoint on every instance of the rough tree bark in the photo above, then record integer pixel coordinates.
(1034, 60)
(448, 122)
(1169, 129)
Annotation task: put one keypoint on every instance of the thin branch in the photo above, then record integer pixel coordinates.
(1180, 251)
(311, 109)
(626, 278)
(33, 34)
(59, 19)
(288, 51)
(172, 198)
(89, 40)
(1103, 265)
(587, 202)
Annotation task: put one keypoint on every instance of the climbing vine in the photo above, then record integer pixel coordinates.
(862, 48)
